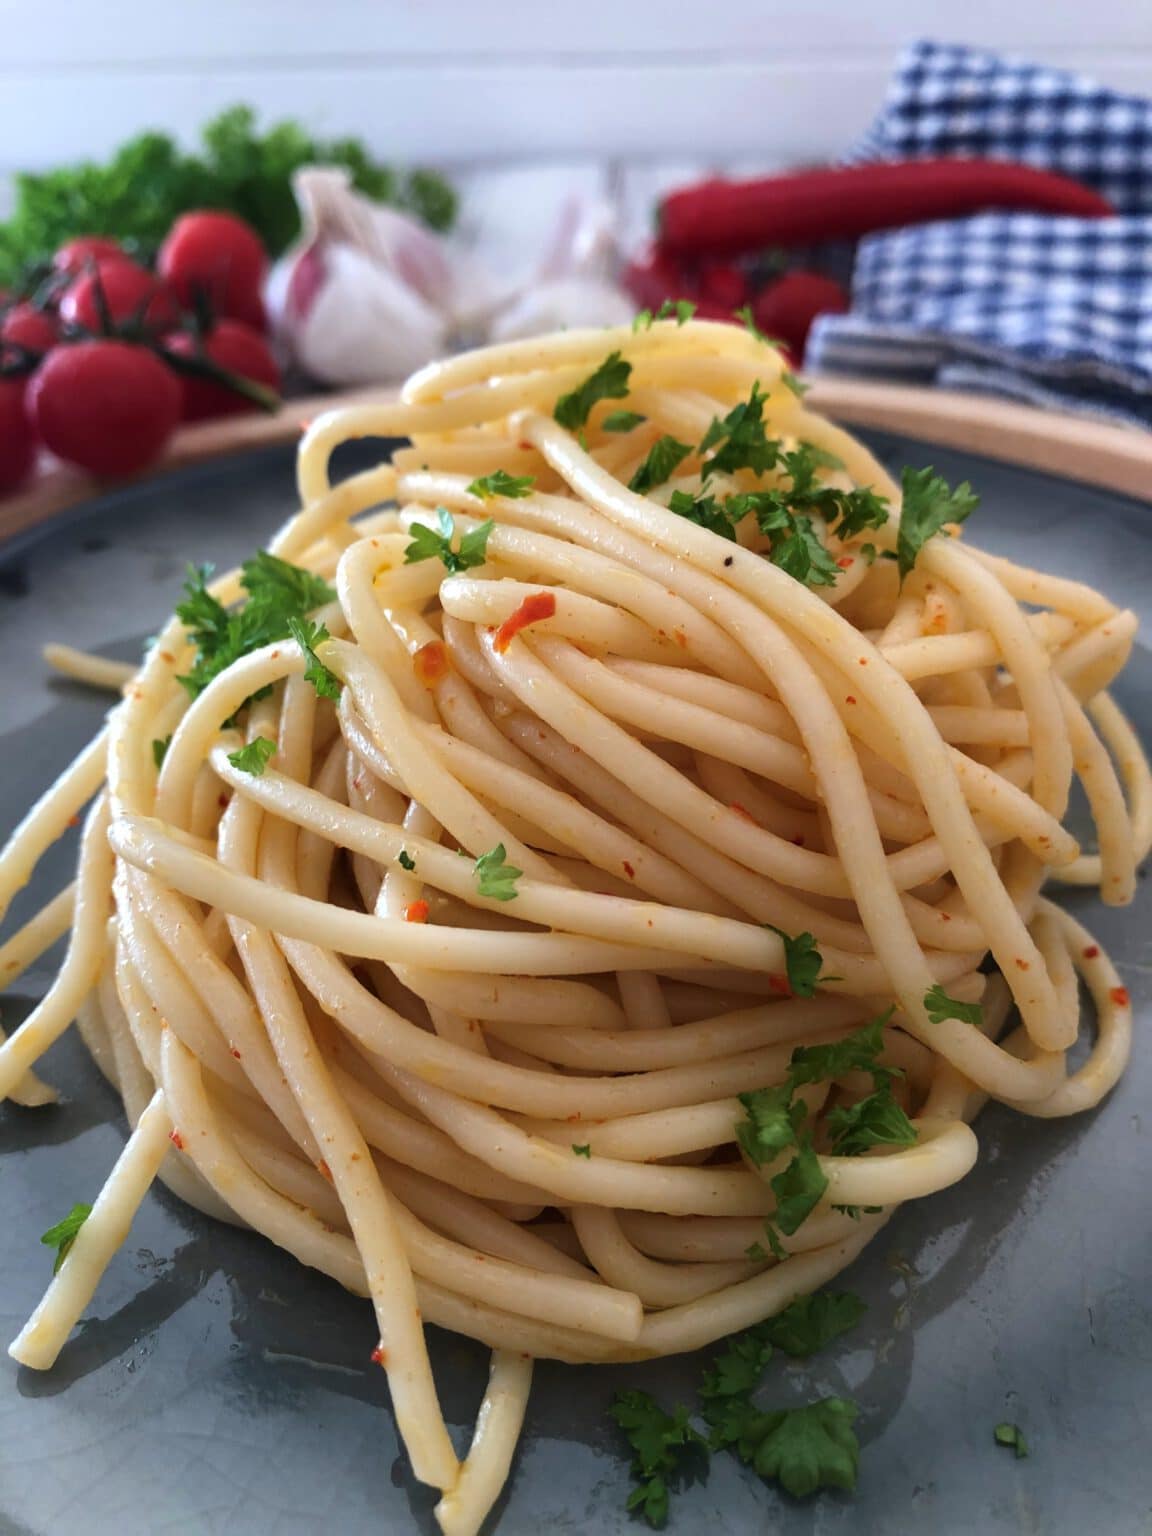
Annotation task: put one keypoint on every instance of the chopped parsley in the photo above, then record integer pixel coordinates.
(772, 1122)
(160, 751)
(609, 382)
(494, 878)
(63, 1234)
(802, 960)
(405, 860)
(254, 757)
(278, 592)
(790, 381)
(501, 483)
(877, 1120)
(928, 506)
(798, 1189)
(582, 1151)
(705, 511)
(622, 421)
(427, 544)
(308, 636)
(1010, 1436)
(664, 457)
(740, 440)
(806, 1449)
(681, 309)
(663, 1448)
(744, 315)
(940, 1007)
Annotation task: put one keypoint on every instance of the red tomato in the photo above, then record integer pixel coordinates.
(218, 256)
(234, 347)
(104, 405)
(725, 285)
(28, 327)
(130, 294)
(17, 438)
(787, 307)
(78, 253)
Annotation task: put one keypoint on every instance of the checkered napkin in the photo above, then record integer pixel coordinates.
(1053, 310)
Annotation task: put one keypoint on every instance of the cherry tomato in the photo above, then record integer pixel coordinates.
(17, 437)
(724, 284)
(78, 253)
(787, 307)
(131, 294)
(28, 327)
(218, 256)
(105, 405)
(234, 347)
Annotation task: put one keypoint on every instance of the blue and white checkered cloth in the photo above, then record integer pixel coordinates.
(1053, 310)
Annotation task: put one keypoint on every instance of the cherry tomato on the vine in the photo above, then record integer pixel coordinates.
(238, 350)
(106, 406)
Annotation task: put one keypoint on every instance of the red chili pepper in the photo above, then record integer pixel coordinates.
(786, 309)
(536, 606)
(727, 217)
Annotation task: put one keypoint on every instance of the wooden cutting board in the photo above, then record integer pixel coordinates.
(1070, 447)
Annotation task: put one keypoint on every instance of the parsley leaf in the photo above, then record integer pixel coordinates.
(427, 544)
(683, 309)
(494, 878)
(1010, 1435)
(740, 439)
(809, 1448)
(798, 1189)
(857, 1052)
(308, 636)
(642, 321)
(705, 512)
(664, 457)
(940, 1007)
(253, 758)
(801, 553)
(928, 505)
(661, 1446)
(772, 1122)
(802, 960)
(856, 1211)
(609, 382)
(790, 381)
(277, 593)
(810, 1322)
(63, 1234)
(877, 1120)
(622, 421)
(744, 315)
(160, 751)
(582, 1151)
(501, 483)
(405, 860)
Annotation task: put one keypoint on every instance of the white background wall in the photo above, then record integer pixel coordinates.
(762, 82)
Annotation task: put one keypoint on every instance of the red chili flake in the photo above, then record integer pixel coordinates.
(537, 606)
(861, 661)
(680, 638)
(798, 841)
(1092, 951)
(572, 1119)
(431, 664)
(779, 984)
(1119, 996)
(850, 699)
(742, 811)
(325, 1170)
(844, 562)
(527, 447)
(222, 801)
(176, 1139)
(167, 656)
(629, 870)
(236, 1053)
(73, 821)
(945, 917)
(416, 912)
(379, 1357)
(1022, 965)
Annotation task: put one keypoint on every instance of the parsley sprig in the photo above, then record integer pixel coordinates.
(609, 382)
(740, 439)
(928, 506)
(664, 458)
(254, 757)
(427, 544)
(940, 1006)
(803, 1449)
(278, 592)
(308, 636)
(776, 1119)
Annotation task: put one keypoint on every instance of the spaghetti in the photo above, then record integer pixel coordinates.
(729, 782)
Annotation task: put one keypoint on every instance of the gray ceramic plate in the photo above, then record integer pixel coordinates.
(217, 1387)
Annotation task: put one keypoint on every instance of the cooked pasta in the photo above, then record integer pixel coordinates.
(597, 782)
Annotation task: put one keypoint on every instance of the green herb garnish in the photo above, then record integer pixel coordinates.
(928, 505)
(501, 483)
(308, 636)
(63, 1234)
(427, 544)
(609, 382)
(253, 758)
(940, 1006)
(664, 458)
(494, 878)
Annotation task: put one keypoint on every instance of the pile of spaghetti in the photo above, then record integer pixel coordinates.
(580, 879)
